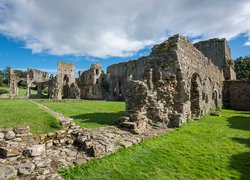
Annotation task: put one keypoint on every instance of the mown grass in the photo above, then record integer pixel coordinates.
(21, 91)
(24, 112)
(209, 148)
(90, 114)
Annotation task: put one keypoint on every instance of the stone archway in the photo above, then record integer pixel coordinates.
(195, 96)
(65, 88)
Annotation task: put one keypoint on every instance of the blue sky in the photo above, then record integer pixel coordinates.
(39, 33)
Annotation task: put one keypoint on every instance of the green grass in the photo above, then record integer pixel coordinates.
(21, 90)
(210, 148)
(24, 112)
(90, 114)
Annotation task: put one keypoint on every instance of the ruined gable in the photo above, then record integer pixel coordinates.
(178, 83)
(219, 52)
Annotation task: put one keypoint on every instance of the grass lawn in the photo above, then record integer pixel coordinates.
(24, 112)
(21, 91)
(209, 148)
(90, 114)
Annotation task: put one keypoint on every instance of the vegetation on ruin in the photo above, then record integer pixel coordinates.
(242, 67)
(90, 114)
(210, 148)
(23, 112)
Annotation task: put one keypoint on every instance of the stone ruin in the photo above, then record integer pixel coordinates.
(178, 81)
(91, 83)
(61, 86)
(31, 78)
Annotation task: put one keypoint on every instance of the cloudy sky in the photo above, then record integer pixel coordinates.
(38, 33)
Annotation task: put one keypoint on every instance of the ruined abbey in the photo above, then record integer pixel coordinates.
(178, 81)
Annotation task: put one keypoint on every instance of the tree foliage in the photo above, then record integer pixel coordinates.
(5, 75)
(242, 68)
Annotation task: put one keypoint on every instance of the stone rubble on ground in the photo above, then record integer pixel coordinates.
(27, 156)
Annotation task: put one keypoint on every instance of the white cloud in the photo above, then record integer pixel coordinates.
(117, 28)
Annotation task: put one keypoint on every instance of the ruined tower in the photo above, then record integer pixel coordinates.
(66, 72)
(219, 52)
(91, 82)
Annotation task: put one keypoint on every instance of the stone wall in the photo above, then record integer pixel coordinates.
(236, 95)
(119, 74)
(91, 81)
(219, 52)
(32, 78)
(66, 72)
(175, 83)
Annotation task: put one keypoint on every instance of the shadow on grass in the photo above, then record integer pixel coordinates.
(239, 122)
(99, 118)
(241, 162)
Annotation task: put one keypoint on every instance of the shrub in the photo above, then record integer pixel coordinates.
(3, 91)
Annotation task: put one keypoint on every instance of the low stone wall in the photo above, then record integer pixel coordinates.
(27, 156)
(236, 95)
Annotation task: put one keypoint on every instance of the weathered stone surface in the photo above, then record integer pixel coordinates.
(7, 172)
(1, 135)
(98, 150)
(35, 150)
(25, 169)
(41, 163)
(7, 152)
(236, 94)
(174, 83)
(21, 130)
(9, 135)
(79, 161)
(92, 83)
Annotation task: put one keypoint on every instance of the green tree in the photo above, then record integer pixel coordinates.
(242, 68)
(6, 75)
(1, 78)
(20, 73)
(1, 81)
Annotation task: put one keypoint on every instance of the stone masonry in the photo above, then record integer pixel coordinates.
(90, 82)
(219, 52)
(62, 86)
(236, 95)
(33, 77)
(176, 83)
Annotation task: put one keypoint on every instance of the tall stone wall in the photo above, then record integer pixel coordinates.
(219, 52)
(91, 82)
(66, 72)
(236, 95)
(177, 83)
(119, 74)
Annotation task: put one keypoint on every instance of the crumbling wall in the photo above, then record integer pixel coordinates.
(177, 83)
(65, 85)
(65, 72)
(201, 82)
(119, 74)
(219, 52)
(236, 94)
(91, 82)
(33, 77)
